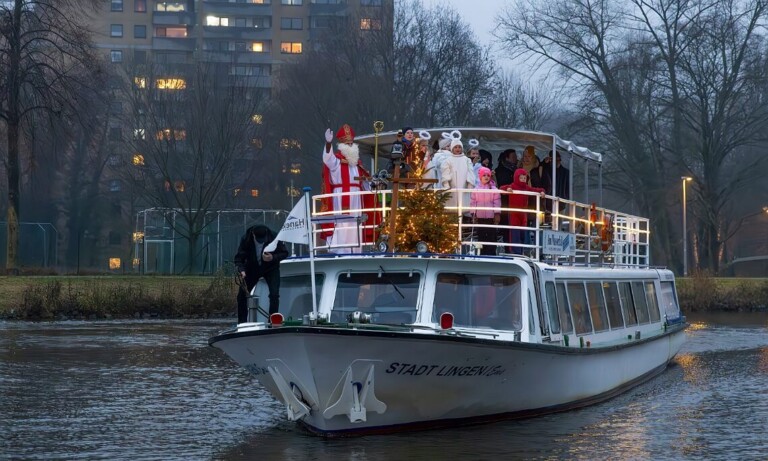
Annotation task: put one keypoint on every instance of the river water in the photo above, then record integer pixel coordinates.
(155, 390)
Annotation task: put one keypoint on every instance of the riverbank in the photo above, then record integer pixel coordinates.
(112, 296)
(701, 294)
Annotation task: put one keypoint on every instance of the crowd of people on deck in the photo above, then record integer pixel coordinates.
(449, 166)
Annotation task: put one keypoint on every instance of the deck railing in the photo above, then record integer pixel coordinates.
(586, 235)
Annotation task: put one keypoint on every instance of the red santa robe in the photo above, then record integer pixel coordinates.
(339, 175)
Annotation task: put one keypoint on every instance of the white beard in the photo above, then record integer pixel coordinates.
(351, 153)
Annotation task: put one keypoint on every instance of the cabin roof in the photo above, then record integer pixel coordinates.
(494, 140)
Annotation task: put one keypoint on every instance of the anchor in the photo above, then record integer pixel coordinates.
(357, 398)
(296, 407)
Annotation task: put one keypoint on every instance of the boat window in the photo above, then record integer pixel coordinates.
(597, 306)
(554, 317)
(641, 307)
(296, 295)
(577, 295)
(479, 300)
(653, 305)
(612, 301)
(390, 297)
(669, 300)
(531, 322)
(562, 308)
(627, 305)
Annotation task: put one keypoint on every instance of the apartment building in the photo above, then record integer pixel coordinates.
(246, 39)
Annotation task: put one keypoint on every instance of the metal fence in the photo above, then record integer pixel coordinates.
(161, 248)
(37, 244)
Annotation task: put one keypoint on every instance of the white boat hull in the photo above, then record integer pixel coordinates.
(431, 380)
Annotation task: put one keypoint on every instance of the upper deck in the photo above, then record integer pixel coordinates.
(562, 231)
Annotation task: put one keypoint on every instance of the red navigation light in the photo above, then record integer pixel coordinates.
(276, 319)
(446, 320)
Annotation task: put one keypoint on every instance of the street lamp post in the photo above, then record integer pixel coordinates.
(685, 227)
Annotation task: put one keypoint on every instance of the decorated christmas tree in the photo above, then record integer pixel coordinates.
(422, 217)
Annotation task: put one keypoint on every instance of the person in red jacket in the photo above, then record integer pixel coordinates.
(520, 202)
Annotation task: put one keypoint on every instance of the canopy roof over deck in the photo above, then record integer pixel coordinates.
(494, 140)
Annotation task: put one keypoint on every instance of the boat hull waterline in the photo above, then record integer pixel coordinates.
(425, 380)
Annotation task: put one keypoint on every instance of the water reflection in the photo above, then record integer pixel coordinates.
(155, 390)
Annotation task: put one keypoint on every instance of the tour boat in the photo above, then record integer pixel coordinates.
(398, 339)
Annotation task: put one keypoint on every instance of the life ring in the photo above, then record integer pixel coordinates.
(606, 233)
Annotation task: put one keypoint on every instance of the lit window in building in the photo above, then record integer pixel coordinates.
(173, 7)
(290, 47)
(116, 55)
(257, 119)
(257, 47)
(254, 193)
(170, 84)
(171, 32)
(138, 237)
(168, 134)
(179, 186)
(291, 191)
(370, 24)
(139, 133)
(140, 6)
(114, 264)
(287, 143)
(140, 82)
(216, 21)
(136, 262)
(138, 159)
(235, 192)
(295, 168)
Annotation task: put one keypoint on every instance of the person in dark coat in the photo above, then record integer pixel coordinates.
(253, 264)
(504, 176)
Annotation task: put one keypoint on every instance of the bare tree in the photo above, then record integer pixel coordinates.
(721, 78)
(671, 87)
(188, 133)
(422, 67)
(586, 41)
(43, 54)
(520, 104)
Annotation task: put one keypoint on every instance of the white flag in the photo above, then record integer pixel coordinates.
(295, 228)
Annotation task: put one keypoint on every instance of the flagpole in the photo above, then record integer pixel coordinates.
(311, 242)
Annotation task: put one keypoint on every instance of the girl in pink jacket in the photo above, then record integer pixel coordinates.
(486, 210)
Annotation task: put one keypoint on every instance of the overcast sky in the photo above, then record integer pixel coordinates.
(479, 14)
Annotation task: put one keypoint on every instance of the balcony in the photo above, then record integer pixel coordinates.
(174, 44)
(173, 18)
(237, 33)
(337, 9)
(256, 81)
(235, 9)
(237, 57)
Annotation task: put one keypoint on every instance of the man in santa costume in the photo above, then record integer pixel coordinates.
(342, 172)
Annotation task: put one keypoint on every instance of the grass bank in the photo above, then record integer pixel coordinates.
(111, 296)
(105, 297)
(701, 293)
